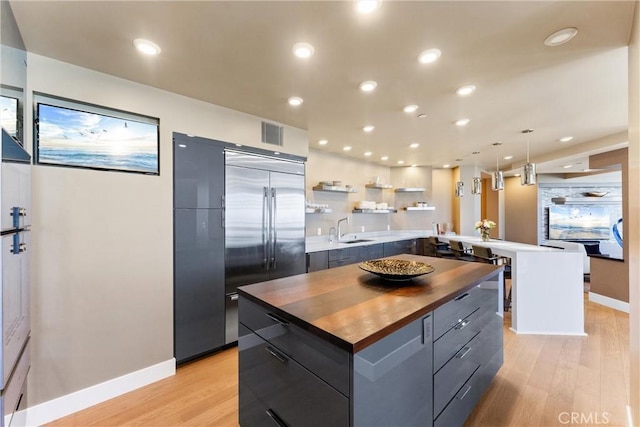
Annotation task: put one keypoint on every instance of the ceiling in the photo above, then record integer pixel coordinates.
(238, 54)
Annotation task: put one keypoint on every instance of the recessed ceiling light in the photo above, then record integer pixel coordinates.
(368, 86)
(428, 56)
(508, 157)
(401, 162)
(323, 142)
(462, 122)
(346, 148)
(466, 90)
(410, 108)
(182, 146)
(561, 36)
(422, 116)
(368, 128)
(383, 158)
(516, 174)
(414, 145)
(295, 101)
(303, 50)
(367, 153)
(567, 166)
(565, 139)
(446, 166)
(146, 46)
(414, 166)
(367, 6)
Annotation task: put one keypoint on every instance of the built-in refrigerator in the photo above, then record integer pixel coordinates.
(15, 207)
(264, 224)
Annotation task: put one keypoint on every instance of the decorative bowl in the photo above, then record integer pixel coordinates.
(396, 269)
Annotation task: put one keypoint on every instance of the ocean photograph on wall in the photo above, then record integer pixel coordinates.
(579, 222)
(70, 137)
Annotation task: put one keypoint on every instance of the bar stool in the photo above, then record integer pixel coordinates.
(440, 249)
(484, 254)
(459, 250)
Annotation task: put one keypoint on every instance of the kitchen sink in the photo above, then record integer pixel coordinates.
(357, 241)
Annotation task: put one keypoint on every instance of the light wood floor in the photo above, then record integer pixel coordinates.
(543, 380)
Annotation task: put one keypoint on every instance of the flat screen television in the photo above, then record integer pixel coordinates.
(9, 114)
(579, 222)
(70, 137)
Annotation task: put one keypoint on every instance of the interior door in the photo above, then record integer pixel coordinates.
(246, 226)
(287, 230)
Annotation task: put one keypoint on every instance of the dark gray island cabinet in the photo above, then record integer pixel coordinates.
(342, 347)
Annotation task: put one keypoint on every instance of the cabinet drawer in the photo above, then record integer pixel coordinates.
(449, 380)
(338, 254)
(462, 404)
(287, 392)
(449, 315)
(322, 358)
(340, 262)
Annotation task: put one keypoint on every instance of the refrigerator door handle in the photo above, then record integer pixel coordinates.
(265, 220)
(274, 228)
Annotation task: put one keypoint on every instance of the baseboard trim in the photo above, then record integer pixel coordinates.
(609, 302)
(572, 333)
(62, 406)
(629, 417)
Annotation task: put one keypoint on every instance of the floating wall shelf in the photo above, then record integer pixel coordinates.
(374, 211)
(409, 190)
(417, 208)
(335, 189)
(379, 186)
(586, 200)
(317, 210)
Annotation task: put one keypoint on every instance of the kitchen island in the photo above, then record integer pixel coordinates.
(343, 347)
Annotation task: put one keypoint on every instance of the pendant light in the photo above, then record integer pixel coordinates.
(459, 189)
(528, 175)
(476, 184)
(497, 183)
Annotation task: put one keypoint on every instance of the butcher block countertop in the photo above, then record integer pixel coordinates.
(353, 308)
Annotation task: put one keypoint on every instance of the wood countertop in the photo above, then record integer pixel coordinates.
(353, 308)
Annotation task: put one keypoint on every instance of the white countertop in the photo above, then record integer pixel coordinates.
(321, 243)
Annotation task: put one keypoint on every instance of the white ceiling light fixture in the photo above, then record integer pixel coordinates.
(462, 122)
(303, 50)
(561, 36)
(567, 166)
(508, 157)
(368, 86)
(147, 47)
(384, 158)
(446, 166)
(428, 56)
(566, 139)
(346, 148)
(412, 108)
(323, 142)
(367, 153)
(414, 145)
(466, 90)
(528, 176)
(368, 128)
(401, 162)
(367, 6)
(295, 101)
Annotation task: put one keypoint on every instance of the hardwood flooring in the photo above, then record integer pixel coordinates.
(545, 381)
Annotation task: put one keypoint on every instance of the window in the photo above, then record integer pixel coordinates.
(75, 134)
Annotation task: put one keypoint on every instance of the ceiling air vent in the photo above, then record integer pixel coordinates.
(271, 134)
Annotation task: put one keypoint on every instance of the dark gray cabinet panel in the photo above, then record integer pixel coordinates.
(375, 251)
(284, 389)
(396, 367)
(399, 247)
(199, 282)
(198, 174)
(317, 261)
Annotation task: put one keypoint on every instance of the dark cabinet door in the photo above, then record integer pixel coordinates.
(375, 251)
(317, 261)
(198, 174)
(199, 316)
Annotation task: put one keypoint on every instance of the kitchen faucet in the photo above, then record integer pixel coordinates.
(340, 235)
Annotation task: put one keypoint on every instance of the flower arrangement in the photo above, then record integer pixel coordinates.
(484, 226)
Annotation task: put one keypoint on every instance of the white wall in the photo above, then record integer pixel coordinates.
(102, 290)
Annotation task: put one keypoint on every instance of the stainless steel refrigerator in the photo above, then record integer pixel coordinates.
(264, 224)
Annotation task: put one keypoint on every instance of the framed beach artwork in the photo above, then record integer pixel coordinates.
(579, 222)
(84, 136)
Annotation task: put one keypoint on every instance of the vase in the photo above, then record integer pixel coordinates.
(485, 237)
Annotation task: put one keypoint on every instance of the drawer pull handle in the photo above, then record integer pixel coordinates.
(462, 324)
(275, 418)
(464, 351)
(277, 319)
(461, 297)
(276, 354)
(460, 397)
